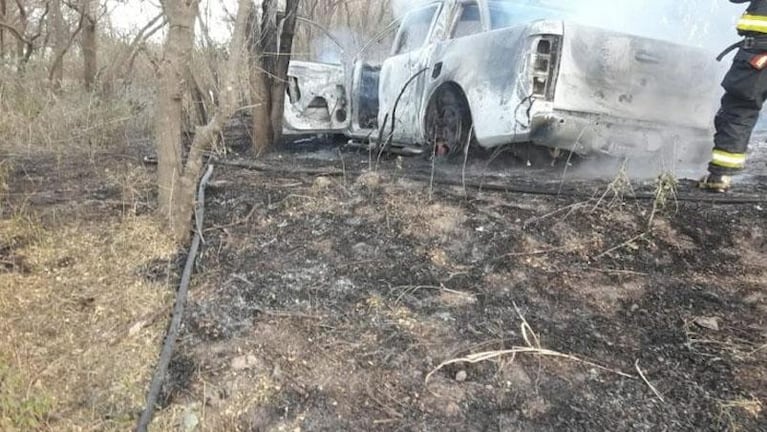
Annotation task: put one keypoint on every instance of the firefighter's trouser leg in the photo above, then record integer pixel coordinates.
(745, 93)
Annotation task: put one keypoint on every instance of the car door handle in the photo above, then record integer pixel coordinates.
(437, 71)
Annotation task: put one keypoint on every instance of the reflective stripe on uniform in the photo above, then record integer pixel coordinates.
(759, 62)
(729, 160)
(754, 23)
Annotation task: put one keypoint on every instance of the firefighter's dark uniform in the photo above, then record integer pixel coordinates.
(745, 92)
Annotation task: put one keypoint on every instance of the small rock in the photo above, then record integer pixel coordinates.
(322, 183)
(190, 420)
(535, 408)
(370, 179)
(634, 307)
(452, 410)
(354, 222)
(245, 362)
(277, 372)
(593, 374)
(363, 250)
(461, 376)
(710, 323)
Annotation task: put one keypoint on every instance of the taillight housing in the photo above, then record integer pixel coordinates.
(544, 66)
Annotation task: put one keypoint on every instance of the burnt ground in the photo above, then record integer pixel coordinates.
(324, 303)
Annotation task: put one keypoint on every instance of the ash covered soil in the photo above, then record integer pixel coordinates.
(327, 303)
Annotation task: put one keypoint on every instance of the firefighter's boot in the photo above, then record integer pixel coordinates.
(716, 183)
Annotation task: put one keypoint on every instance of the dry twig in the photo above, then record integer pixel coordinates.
(652, 387)
(533, 347)
(760, 349)
(620, 246)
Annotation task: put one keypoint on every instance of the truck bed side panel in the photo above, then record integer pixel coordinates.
(630, 77)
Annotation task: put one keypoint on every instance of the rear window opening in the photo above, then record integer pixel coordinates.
(470, 22)
(415, 29)
(508, 14)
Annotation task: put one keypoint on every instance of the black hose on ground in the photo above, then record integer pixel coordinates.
(178, 309)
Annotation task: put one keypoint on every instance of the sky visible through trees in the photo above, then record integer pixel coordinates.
(708, 24)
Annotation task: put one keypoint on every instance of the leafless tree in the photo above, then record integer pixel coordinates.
(90, 12)
(178, 175)
(3, 13)
(270, 46)
(22, 28)
(121, 64)
(356, 21)
(57, 30)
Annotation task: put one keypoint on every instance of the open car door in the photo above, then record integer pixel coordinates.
(317, 100)
(364, 80)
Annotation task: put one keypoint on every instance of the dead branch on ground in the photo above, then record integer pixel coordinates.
(532, 346)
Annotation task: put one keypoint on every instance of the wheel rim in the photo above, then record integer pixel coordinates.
(447, 126)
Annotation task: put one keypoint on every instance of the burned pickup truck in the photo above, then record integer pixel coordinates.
(504, 72)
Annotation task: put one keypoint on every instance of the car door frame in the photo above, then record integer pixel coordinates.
(354, 77)
(295, 117)
(407, 92)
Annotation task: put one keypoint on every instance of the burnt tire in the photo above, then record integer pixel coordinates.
(448, 124)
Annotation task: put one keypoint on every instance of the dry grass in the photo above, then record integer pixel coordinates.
(74, 325)
(730, 411)
(665, 193)
(36, 120)
(5, 170)
(80, 323)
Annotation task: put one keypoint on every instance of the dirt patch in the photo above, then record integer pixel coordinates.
(345, 299)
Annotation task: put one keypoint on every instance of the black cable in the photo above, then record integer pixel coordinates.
(178, 310)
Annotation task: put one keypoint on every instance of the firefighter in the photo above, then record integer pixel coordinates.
(745, 88)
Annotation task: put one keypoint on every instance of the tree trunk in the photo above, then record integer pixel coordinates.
(177, 180)
(89, 45)
(20, 44)
(262, 45)
(270, 46)
(287, 33)
(263, 133)
(173, 68)
(3, 16)
(59, 44)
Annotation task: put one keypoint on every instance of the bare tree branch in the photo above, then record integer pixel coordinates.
(15, 32)
(60, 55)
(125, 58)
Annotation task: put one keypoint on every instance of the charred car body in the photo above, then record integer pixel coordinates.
(503, 72)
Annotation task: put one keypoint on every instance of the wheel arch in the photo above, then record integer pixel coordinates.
(447, 85)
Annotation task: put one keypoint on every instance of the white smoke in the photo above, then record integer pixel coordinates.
(401, 7)
(335, 49)
(708, 24)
